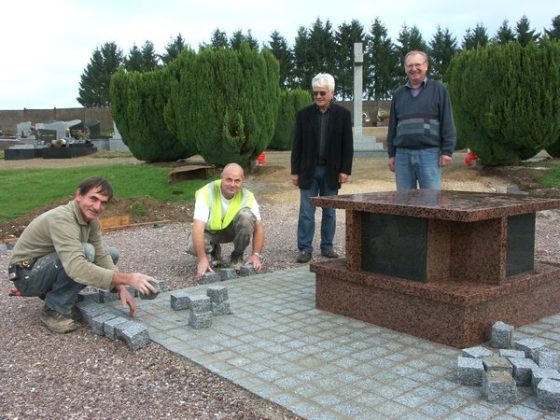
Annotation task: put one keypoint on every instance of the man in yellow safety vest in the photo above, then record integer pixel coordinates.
(225, 212)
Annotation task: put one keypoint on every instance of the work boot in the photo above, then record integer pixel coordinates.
(76, 314)
(303, 257)
(236, 260)
(329, 253)
(57, 322)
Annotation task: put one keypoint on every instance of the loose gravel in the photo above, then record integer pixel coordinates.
(81, 375)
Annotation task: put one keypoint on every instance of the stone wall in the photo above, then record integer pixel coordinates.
(10, 118)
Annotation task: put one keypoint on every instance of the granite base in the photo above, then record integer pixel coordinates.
(455, 313)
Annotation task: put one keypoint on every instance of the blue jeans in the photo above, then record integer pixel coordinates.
(306, 221)
(48, 279)
(417, 165)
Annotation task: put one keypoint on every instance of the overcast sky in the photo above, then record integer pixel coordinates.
(46, 45)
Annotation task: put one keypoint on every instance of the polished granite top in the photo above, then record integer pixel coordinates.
(464, 206)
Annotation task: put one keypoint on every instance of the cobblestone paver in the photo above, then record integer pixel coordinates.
(276, 344)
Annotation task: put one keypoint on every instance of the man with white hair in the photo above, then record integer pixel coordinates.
(321, 161)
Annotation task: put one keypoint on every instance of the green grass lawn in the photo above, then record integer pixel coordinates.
(552, 177)
(22, 190)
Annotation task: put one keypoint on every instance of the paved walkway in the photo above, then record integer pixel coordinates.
(319, 365)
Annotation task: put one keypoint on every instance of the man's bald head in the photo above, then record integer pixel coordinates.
(232, 179)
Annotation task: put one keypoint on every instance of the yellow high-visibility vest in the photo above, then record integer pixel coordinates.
(212, 195)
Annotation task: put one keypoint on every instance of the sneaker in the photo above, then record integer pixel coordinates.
(303, 257)
(57, 322)
(236, 260)
(329, 253)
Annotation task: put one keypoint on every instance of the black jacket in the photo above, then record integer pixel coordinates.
(305, 147)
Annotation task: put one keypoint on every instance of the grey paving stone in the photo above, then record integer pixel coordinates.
(199, 320)
(217, 294)
(247, 270)
(98, 322)
(222, 308)
(538, 374)
(477, 352)
(89, 295)
(548, 394)
(179, 300)
(90, 309)
(109, 327)
(499, 387)
(134, 333)
(546, 358)
(160, 288)
(510, 353)
(198, 303)
(211, 277)
(522, 370)
(497, 363)
(106, 296)
(530, 346)
(227, 273)
(501, 336)
(469, 370)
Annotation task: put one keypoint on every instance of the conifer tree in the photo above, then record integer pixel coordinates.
(291, 101)
(506, 99)
(138, 100)
(96, 78)
(225, 102)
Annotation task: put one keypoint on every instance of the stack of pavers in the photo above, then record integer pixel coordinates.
(526, 362)
(227, 273)
(107, 321)
(201, 307)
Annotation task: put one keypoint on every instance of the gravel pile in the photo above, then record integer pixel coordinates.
(81, 375)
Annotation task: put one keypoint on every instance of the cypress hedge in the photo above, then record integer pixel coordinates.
(291, 101)
(506, 100)
(224, 102)
(137, 104)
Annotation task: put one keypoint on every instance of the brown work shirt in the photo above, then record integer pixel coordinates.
(63, 230)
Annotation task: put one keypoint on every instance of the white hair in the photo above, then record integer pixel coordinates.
(323, 80)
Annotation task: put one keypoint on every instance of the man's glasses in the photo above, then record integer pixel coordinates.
(319, 93)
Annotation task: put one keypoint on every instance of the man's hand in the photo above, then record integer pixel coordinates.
(256, 261)
(203, 266)
(343, 178)
(295, 179)
(127, 300)
(138, 281)
(445, 160)
(391, 164)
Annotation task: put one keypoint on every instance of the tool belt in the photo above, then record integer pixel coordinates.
(15, 269)
(13, 272)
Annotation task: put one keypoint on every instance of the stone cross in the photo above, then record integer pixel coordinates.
(358, 77)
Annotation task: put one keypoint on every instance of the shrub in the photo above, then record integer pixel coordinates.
(506, 100)
(137, 104)
(291, 101)
(224, 102)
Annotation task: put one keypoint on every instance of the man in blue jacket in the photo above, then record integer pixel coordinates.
(321, 161)
(421, 136)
